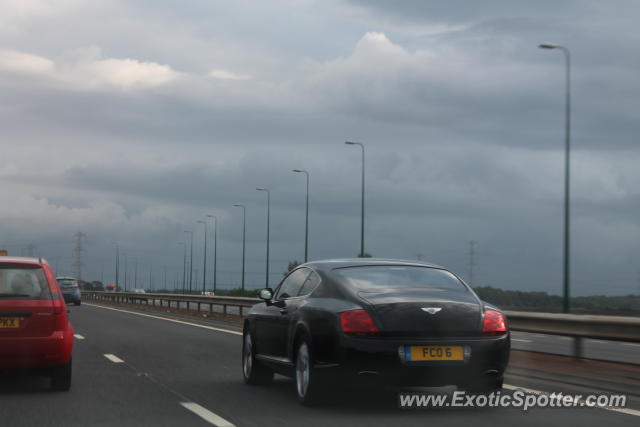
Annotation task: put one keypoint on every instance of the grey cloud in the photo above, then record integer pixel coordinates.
(463, 129)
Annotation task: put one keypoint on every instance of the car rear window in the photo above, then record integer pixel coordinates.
(376, 278)
(23, 282)
(67, 282)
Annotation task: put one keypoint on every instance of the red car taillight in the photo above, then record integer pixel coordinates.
(494, 323)
(358, 323)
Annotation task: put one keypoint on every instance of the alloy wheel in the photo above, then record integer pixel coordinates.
(302, 369)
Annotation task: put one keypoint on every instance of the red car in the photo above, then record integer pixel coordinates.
(35, 332)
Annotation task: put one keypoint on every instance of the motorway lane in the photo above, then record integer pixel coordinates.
(102, 394)
(168, 362)
(614, 351)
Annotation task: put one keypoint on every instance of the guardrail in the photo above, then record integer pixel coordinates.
(168, 300)
(578, 326)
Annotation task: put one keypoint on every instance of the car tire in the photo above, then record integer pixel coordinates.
(309, 387)
(77, 302)
(253, 372)
(61, 377)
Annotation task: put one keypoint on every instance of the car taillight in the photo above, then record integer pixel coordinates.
(60, 315)
(358, 323)
(494, 323)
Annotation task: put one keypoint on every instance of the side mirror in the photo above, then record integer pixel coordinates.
(266, 294)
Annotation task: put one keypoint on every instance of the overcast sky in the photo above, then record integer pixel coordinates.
(130, 120)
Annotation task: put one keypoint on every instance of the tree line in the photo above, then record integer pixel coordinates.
(542, 301)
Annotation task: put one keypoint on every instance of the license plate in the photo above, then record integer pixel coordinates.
(436, 352)
(9, 322)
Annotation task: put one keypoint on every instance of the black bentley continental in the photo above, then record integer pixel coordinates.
(403, 322)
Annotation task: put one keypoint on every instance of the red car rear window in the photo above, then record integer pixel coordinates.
(20, 281)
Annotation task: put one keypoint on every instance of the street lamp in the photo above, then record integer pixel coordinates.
(190, 259)
(362, 199)
(215, 250)
(244, 241)
(268, 221)
(184, 267)
(306, 226)
(567, 146)
(204, 268)
(117, 266)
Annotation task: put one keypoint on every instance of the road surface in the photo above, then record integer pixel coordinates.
(142, 370)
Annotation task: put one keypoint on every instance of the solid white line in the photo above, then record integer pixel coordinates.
(630, 344)
(525, 389)
(519, 340)
(206, 415)
(78, 336)
(114, 358)
(627, 411)
(228, 331)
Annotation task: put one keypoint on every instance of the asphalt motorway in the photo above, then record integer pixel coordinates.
(139, 370)
(614, 351)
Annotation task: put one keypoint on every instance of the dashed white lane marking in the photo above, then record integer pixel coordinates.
(582, 401)
(207, 415)
(78, 336)
(114, 358)
(519, 340)
(228, 331)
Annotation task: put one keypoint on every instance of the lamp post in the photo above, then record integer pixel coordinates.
(268, 221)
(215, 250)
(306, 223)
(567, 171)
(117, 266)
(244, 241)
(204, 267)
(190, 259)
(184, 266)
(362, 199)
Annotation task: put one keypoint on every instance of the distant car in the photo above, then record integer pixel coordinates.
(407, 323)
(111, 288)
(35, 333)
(140, 295)
(70, 288)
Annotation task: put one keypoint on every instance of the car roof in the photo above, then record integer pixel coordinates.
(22, 260)
(65, 278)
(331, 264)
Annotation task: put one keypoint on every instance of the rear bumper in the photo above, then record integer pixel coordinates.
(379, 357)
(41, 352)
(71, 296)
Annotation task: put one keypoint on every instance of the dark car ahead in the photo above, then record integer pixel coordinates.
(405, 322)
(70, 288)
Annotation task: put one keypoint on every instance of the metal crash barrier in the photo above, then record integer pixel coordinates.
(577, 326)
